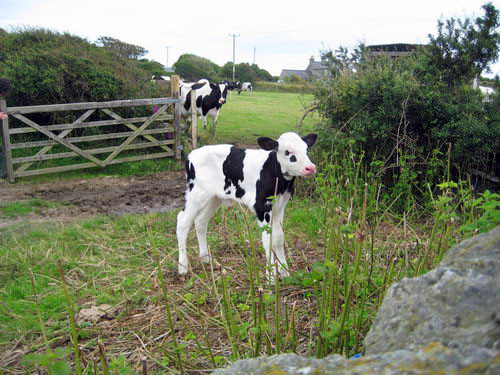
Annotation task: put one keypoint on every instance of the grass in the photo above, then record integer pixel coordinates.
(340, 273)
(345, 248)
(247, 116)
(23, 208)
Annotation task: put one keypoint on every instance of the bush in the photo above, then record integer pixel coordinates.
(398, 116)
(47, 67)
(283, 87)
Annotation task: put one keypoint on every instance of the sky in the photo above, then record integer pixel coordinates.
(274, 34)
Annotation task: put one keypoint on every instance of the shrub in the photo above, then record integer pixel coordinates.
(47, 67)
(410, 119)
(283, 87)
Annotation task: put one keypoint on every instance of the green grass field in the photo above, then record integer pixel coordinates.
(247, 116)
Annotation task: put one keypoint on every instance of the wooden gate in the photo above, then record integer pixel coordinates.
(138, 137)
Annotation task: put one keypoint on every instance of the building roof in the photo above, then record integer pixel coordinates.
(308, 73)
(393, 50)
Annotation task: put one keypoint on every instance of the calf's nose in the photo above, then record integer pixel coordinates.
(310, 169)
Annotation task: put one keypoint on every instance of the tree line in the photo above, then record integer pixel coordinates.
(193, 68)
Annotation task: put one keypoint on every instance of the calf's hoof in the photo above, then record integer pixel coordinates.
(206, 258)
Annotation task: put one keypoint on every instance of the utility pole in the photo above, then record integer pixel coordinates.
(167, 54)
(234, 36)
(254, 55)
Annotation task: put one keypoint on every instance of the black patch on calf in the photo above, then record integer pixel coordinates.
(233, 170)
(293, 158)
(190, 174)
(266, 186)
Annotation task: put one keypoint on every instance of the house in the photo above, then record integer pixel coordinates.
(316, 70)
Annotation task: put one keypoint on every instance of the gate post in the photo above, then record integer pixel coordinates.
(174, 90)
(6, 143)
(194, 121)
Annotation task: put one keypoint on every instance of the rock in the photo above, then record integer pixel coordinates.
(456, 304)
(95, 313)
(445, 322)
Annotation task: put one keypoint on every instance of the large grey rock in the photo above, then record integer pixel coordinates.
(430, 359)
(445, 322)
(456, 304)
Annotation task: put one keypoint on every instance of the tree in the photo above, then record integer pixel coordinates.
(193, 68)
(245, 72)
(462, 50)
(122, 49)
(153, 67)
(403, 113)
(343, 60)
(47, 67)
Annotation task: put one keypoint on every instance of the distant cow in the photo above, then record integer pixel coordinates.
(219, 174)
(231, 85)
(246, 86)
(209, 99)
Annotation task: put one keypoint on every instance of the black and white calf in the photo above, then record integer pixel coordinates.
(220, 174)
(209, 99)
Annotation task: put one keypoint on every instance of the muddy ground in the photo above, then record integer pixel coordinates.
(109, 196)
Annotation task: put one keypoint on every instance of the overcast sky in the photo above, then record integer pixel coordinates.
(283, 34)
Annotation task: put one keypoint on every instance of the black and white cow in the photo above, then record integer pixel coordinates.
(209, 99)
(222, 174)
(231, 85)
(246, 86)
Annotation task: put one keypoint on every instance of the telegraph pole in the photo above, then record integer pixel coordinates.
(234, 36)
(254, 55)
(167, 54)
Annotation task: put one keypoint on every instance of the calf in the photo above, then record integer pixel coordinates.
(209, 99)
(224, 174)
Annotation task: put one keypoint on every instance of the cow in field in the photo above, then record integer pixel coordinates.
(246, 86)
(209, 99)
(231, 85)
(224, 174)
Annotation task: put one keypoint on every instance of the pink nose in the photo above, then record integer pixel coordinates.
(310, 169)
(222, 100)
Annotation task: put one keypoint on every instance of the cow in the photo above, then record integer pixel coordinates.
(209, 99)
(231, 85)
(246, 86)
(262, 180)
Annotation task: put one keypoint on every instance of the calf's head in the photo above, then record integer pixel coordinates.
(291, 153)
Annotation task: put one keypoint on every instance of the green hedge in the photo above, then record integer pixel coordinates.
(283, 87)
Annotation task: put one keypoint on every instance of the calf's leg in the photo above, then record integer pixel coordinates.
(195, 203)
(201, 224)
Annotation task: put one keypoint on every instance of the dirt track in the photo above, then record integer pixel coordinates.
(110, 195)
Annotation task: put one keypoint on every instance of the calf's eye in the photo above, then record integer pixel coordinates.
(287, 153)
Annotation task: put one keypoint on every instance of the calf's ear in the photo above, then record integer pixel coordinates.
(310, 139)
(267, 143)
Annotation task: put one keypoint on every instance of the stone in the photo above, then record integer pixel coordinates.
(456, 304)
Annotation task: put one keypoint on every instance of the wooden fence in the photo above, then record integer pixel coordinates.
(138, 137)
